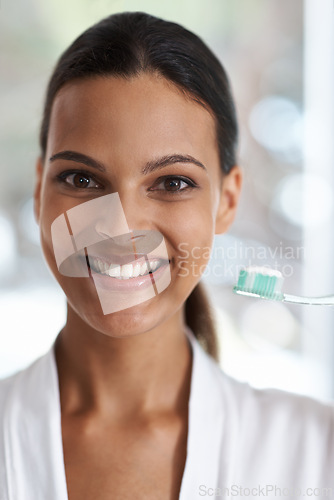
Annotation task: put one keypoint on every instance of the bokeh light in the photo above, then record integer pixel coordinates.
(8, 249)
(305, 200)
(277, 124)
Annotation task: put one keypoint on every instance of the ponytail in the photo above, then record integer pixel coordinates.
(199, 318)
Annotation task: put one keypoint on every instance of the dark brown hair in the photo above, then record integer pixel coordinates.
(131, 43)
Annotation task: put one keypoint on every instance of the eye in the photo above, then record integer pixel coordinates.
(78, 180)
(173, 184)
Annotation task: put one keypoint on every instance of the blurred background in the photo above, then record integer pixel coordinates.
(279, 56)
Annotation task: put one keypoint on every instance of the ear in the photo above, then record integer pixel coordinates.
(229, 197)
(37, 191)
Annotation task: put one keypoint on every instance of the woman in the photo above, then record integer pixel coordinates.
(137, 173)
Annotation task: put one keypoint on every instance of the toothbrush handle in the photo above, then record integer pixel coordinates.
(321, 301)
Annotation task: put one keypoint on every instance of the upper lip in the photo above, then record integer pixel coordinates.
(126, 259)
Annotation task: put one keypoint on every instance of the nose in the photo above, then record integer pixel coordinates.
(143, 236)
(137, 210)
(109, 217)
(123, 214)
(138, 236)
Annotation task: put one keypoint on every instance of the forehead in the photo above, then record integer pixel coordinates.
(141, 116)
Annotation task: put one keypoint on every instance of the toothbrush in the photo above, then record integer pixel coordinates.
(265, 283)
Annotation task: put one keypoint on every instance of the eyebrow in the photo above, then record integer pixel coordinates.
(162, 162)
(78, 158)
(149, 167)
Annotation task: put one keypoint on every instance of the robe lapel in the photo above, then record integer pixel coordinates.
(33, 446)
(205, 426)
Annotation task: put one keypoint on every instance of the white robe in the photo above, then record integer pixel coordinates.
(242, 442)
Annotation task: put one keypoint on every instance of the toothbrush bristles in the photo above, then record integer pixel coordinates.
(261, 281)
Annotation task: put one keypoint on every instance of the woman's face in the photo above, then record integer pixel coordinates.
(126, 127)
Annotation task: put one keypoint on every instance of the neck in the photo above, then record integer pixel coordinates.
(100, 374)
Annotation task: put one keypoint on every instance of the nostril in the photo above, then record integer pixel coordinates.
(104, 235)
(137, 236)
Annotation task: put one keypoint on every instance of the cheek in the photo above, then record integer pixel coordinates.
(50, 209)
(77, 290)
(47, 246)
(190, 232)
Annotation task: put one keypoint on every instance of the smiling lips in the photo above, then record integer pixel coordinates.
(140, 267)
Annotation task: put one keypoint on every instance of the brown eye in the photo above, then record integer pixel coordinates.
(80, 181)
(175, 184)
(172, 184)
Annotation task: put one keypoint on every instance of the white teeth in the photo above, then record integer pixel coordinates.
(143, 269)
(114, 272)
(154, 265)
(125, 271)
(136, 270)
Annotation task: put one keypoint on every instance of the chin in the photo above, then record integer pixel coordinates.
(125, 323)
